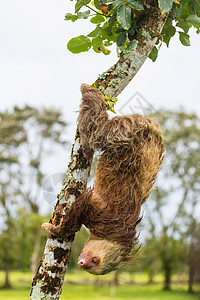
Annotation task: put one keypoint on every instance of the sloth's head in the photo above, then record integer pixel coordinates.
(100, 257)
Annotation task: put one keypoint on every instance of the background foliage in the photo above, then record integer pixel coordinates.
(171, 244)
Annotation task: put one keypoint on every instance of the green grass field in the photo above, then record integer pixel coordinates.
(81, 285)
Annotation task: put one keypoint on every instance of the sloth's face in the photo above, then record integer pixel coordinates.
(100, 257)
(89, 262)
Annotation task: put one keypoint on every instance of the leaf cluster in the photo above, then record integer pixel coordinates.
(115, 24)
(182, 17)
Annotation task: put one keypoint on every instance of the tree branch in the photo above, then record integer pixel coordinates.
(115, 79)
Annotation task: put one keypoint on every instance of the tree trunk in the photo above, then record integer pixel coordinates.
(167, 283)
(115, 278)
(116, 78)
(7, 284)
(191, 278)
(48, 281)
(113, 284)
(151, 275)
(35, 255)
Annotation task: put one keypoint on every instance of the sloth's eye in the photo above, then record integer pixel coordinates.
(95, 260)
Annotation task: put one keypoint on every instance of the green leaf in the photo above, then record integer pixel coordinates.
(106, 34)
(98, 46)
(132, 30)
(135, 4)
(124, 16)
(154, 54)
(79, 44)
(166, 39)
(80, 4)
(120, 30)
(194, 20)
(114, 34)
(110, 104)
(80, 15)
(184, 38)
(117, 3)
(109, 34)
(97, 19)
(121, 39)
(165, 5)
(170, 31)
(96, 3)
(111, 20)
(106, 1)
(95, 32)
(108, 43)
(104, 49)
(177, 10)
(184, 25)
(96, 42)
(83, 15)
(71, 17)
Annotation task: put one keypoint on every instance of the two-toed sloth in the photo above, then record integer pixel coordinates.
(132, 152)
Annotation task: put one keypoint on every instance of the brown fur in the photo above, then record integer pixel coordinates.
(132, 149)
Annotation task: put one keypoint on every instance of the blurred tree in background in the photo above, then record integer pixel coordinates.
(28, 136)
(173, 210)
(172, 245)
(193, 254)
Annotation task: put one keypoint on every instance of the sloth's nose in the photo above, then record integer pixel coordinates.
(82, 263)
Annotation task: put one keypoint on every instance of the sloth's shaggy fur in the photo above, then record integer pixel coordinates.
(132, 152)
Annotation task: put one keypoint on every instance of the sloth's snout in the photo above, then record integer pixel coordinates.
(82, 263)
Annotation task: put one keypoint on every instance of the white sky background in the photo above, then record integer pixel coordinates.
(37, 69)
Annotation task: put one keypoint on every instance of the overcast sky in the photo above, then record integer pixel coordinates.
(36, 68)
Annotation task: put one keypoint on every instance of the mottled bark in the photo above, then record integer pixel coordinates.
(48, 281)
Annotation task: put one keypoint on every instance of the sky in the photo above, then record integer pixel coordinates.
(37, 69)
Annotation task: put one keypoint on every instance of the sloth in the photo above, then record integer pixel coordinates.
(131, 155)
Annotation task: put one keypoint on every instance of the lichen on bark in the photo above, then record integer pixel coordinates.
(132, 58)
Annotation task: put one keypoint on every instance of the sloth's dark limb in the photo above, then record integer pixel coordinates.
(73, 219)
